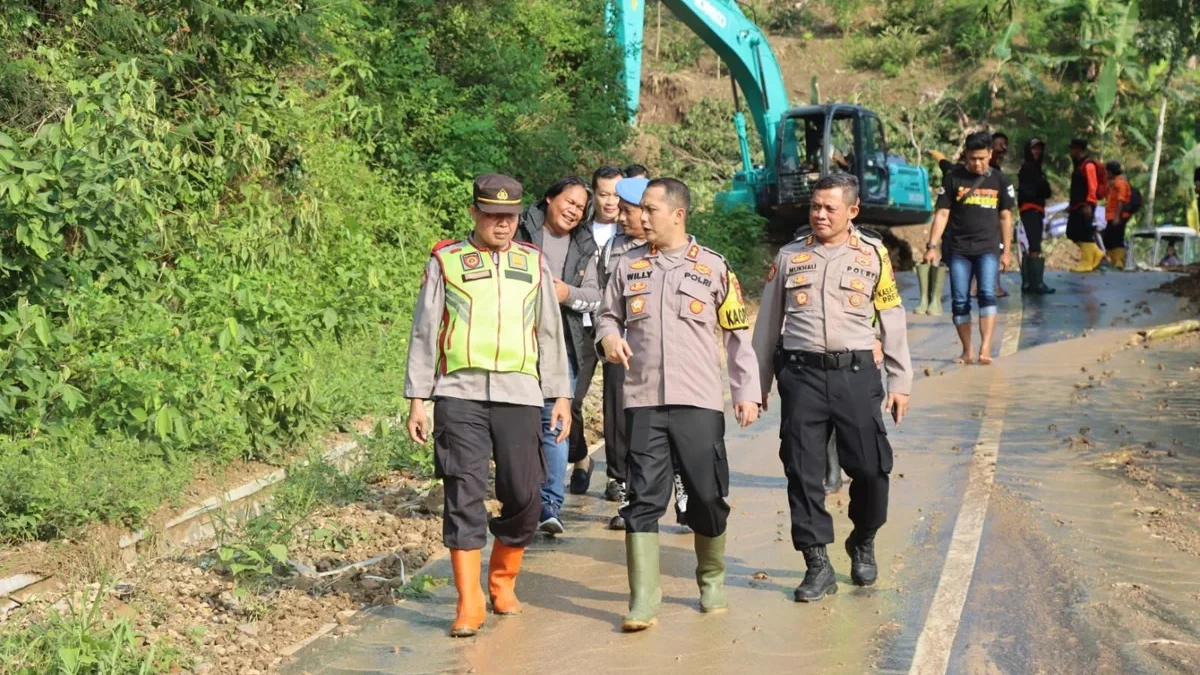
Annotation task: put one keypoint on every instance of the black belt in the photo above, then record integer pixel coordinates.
(838, 361)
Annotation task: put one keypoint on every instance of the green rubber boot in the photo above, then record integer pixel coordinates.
(645, 594)
(1037, 280)
(938, 280)
(923, 282)
(710, 573)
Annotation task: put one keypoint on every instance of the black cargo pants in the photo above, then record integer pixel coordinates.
(615, 446)
(695, 437)
(816, 400)
(466, 435)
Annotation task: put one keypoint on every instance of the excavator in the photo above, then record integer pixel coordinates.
(800, 144)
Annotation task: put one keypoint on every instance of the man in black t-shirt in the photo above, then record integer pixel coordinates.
(974, 211)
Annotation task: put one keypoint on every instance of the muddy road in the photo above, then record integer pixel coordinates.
(1045, 518)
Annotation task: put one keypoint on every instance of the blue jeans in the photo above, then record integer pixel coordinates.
(554, 489)
(985, 269)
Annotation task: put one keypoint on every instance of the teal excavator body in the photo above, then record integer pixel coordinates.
(799, 144)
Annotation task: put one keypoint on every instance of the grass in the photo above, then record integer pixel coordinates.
(81, 642)
(255, 553)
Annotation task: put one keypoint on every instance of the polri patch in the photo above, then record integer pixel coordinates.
(637, 305)
(472, 261)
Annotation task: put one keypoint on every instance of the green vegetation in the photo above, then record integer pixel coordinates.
(255, 553)
(1099, 69)
(81, 642)
(215, 215)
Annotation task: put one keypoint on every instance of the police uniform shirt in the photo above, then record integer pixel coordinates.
(424, 382)
(826, 299)
(669, 308)
(610, 255)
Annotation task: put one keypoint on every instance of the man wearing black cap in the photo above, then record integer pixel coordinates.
(487, 347)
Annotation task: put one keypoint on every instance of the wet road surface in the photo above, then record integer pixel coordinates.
(1012, 547)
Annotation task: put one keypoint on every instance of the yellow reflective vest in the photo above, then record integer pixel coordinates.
(492, 304)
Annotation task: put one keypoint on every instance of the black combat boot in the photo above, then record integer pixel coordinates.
(860, 546)
(819, 580)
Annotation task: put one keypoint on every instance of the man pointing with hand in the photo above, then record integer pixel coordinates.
(669, 297)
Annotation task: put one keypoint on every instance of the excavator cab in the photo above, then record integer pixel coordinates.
(819, 139)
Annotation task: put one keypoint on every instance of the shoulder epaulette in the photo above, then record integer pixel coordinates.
(443, 244)
(705, 248)
(868, 232)
(527, 246)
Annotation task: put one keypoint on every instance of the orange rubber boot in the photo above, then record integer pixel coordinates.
(503, 569)
(472, 610)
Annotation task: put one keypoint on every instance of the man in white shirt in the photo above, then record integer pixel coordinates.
(606, 201)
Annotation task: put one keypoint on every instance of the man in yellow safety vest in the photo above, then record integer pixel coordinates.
(488, 348)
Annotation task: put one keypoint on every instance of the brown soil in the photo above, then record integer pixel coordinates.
(1162, 469)
(183, 602)
(1186, 285)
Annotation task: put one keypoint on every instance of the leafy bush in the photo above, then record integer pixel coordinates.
(215, 217)
(739, 237)
(890, 51)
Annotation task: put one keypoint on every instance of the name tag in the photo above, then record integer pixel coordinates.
(476, 275)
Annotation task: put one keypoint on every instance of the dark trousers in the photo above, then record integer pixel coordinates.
(583, 382)
(615, 434)
(1081, 229)
(1113, 236)
(695, 438)
(466, 435)
(1034, 222)
(815, 402)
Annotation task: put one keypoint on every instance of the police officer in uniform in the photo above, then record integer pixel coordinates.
(662, 308)
(488, 372)
(822, 295)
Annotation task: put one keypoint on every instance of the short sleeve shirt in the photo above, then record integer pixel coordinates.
(974, 226)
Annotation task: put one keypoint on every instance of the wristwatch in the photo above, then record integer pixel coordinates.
(929, 246)
(1001, 247)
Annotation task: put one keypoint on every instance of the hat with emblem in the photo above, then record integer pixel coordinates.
(631, 189)
(497, 193)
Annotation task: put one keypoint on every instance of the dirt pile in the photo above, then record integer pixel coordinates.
(1185, 286)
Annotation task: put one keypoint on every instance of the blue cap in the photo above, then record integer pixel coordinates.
(631, 189)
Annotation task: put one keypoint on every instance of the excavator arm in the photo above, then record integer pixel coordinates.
(743, 48)
(893, 193)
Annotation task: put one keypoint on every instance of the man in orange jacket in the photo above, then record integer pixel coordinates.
(1087, 189)
(1117, 213)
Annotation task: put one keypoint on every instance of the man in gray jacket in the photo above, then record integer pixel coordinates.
(553, 225)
